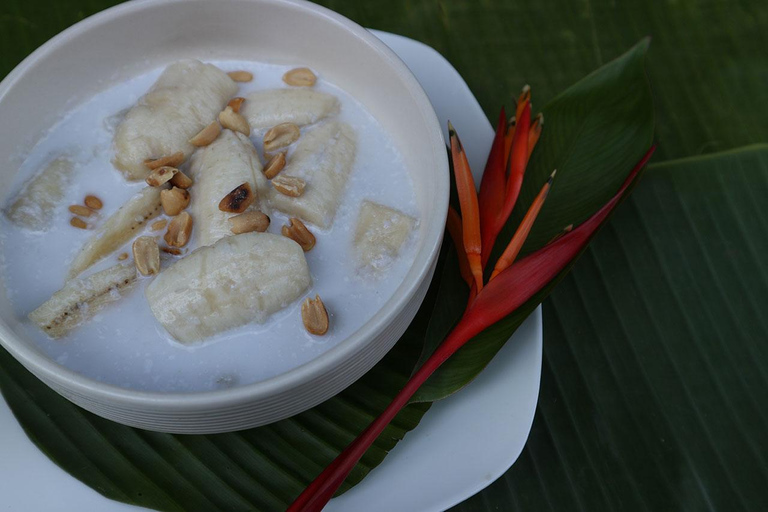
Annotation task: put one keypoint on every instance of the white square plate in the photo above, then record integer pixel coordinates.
(463, 443)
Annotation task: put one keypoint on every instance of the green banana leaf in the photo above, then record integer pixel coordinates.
(654, 381)
(707, 61)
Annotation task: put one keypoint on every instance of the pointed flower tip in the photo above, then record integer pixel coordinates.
(552, 176)
(539, 119)
(453, 135)
(525, 96)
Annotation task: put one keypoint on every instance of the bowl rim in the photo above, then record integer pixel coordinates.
(49, 370)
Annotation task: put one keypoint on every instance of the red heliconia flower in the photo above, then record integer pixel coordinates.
(512, 283)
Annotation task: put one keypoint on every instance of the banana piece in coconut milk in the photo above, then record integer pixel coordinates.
(217, 169)
(238, 280)
(186, 98)
(380, 234)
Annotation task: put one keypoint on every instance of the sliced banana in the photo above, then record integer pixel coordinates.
(265, 109)
(34, 207)
(185, 99)
(123, 225)
(240, 279)
(323, 159)
(217, 169)
(82, 298)
(380, 234)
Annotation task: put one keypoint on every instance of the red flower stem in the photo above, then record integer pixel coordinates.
(322, 489)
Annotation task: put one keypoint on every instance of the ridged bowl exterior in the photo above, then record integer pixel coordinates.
(144, 34)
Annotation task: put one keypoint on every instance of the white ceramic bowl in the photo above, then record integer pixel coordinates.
(141, 35)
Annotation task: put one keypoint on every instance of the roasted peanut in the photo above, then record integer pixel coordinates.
(80, 210)
(281, 136)
(179, 230)
(171, 250)
(146, 255)
(181, 180)
(236, 103)
(78, 223)
(173, 160)
(248, 222)
(93, 202)
(240, 76)
(315, 316)
(174, 200)
(206, 135)
(299, 233)
(302, 77)
(238, 200)
(161, 176)
(275, 165)
(289, 186)
(233, 121)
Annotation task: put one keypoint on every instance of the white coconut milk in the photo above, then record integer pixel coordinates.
(124, 345)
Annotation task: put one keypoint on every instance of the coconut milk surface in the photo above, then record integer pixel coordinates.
(123, 344)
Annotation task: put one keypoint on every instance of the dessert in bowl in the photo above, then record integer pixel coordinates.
(232, 216)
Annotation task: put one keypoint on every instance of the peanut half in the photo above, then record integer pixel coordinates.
(275, 165)
(161, 176)
(240, 76)
(299, 233)
(179, 230)
(248, 222)
(301, 77)
(315, 316)
(206, 135)
(289, 186)
(173, 160)
(146, 255)
(236, 103)
(171, 250)
(233, 121)
(78, 223)
(93, 202)
(80, 210)
(174, 200)
(281, 136)
(238, 200)
(181, 180)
